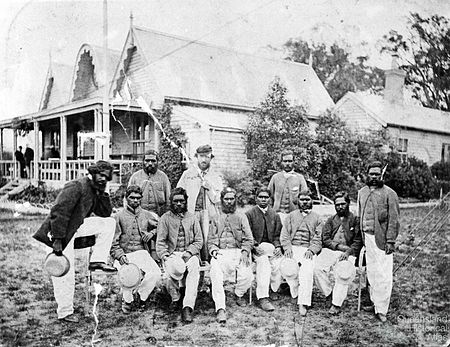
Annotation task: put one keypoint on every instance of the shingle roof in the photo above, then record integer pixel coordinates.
(201, 71)
(59, 92)
(403, 115)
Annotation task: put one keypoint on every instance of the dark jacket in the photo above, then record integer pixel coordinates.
(386, 214)
(167, 233)
(256, 219)
(131, 226)
(77, 200)
(352, 234)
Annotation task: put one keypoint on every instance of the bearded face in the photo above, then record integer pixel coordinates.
(229, 203)
(178, 205)
(305, 203)
(342, 207)
(150, 164)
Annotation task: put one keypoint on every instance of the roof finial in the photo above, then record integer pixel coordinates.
(131, 19)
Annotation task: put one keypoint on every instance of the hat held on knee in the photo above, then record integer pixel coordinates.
(175, 267)
(130, 276)
(289, 268)
(267, 248)
(344, 272)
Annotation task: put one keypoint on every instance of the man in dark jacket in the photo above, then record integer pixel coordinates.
(69, 218)
(29, 157)
(379, 212)
(265, 224)
(341, 240)
(21, 160)
(135, 227)
(179, 236)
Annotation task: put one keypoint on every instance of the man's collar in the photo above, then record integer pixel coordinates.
(264, 210)
(305, 212)
(134, 211)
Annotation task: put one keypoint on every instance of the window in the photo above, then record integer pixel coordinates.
(142, 131)
(446, 153)
(402, 149)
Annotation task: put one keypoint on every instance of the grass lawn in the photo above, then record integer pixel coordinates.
(418, 314)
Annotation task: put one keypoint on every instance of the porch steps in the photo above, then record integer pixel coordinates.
(12, 188)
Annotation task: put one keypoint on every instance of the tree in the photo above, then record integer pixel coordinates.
(425, 56)
(275, 126)
(334, 68)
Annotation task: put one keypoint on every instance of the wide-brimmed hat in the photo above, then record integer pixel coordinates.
(267, 248)
(175, 267)
(130, 276)
(344, 272)
(289, 268)
(56, 265)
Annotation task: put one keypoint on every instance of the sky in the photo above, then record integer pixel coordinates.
(33, 32)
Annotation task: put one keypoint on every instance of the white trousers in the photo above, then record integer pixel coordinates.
(324, 270)
(152, 274)
(64, 287)
(379, 273)
(227, 267)
(267, 274)
(190, 281)
(303, 286)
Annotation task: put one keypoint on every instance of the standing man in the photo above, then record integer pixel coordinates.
(379, 212)
(301, 239)
(341, 241)
(284, 186)
(179, 235)
(29, 157)
(20, 158)
(135, 227)
(203, 186)
(154, 183)
(69, 218)
(265, 224)
(230, 243)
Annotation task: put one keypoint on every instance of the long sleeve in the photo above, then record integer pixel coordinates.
(247, 236)
(195, 247)
(116, 251)
(285, 234)
(166, 184)
(394, 214)
(357, 240)
(327, 235)
(162, 235)
(277, 231)
(61, 212)
(315, 244)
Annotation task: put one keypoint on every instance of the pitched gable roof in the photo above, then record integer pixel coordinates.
(400, 115)
(56, 89)
(195, 70)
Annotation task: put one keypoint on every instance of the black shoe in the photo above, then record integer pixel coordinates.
(101, 266)
(186, 315)
(71, 318)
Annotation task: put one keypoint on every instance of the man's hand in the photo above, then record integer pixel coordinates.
(57, 247)
(342, 248)
(123, 260)
(165, 257)
(206, 185)
(288, 253)
(308, 254)
(147, 237)
(258, 251)
(186, 256)
(343, 256)
(389, 248)
(214, 253)
(245, 259)
(277, 252)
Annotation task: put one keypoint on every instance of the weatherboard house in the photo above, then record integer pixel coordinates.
(415, 130)
(212, 91)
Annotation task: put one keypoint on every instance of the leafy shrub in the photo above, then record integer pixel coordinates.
(39, 194)
(243, 183)
(441, 170)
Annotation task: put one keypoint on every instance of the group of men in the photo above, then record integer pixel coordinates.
(173, 231)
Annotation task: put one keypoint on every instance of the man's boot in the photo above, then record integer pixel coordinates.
(186, 315)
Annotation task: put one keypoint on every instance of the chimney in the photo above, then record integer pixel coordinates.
(395, 80)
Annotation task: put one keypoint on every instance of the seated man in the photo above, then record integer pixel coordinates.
(82, 208)
(229, 242)
(179, 235)
(301, 239)
(135, 227)
(265, 224)
(341, 240)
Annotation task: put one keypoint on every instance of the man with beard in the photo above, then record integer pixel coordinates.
(341, 241)
(230, 243)
(284, 186)
(154, 183)
(301, 239)
(265, 224)
(378, 211)
(134, 228)
(81, 209)
(203, 186)
(179, 235)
